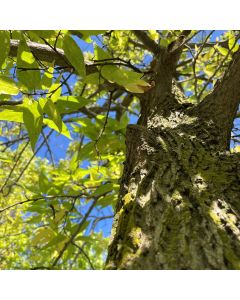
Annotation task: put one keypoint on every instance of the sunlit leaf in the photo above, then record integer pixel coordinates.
(67, 104)
(5, 45)
(46, 80)
(74, 55)
(42, 236)
(52, 125)
(44, 183)
(28, 72)
(33, 121)
(222, 50)
(232, 45)
(12, 116)
(103, 189)
(55, 90)
(51, 110)
(129, 79)
(8, 86)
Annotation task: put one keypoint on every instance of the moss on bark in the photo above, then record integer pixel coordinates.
(179, 202)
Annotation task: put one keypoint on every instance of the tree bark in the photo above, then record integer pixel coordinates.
(47, 54)
(178, 204)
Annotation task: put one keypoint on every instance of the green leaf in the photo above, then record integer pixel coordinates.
(103, 189)
(94, 78)
(28, 71)
(43, 236)
(163, 42)
(208, 55)
(46, 81)
(55, 89)
(87, 128)
(100, 54)
(46, 33)
(107, 200)
(87, 151)
(43, 183)
(8, 86)
(154, 34)
(124, 120)
(74, 55)
(56, 240)
(231, 42)
(51, 110)
(210, 70)
(129, 79)
(59, 215)
(68, 104)
(3, 158)
(5, 46)
(11, 116)
(52, 125)
(33, 121)
(222, 50)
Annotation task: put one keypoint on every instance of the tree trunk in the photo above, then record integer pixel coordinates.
(179, 200)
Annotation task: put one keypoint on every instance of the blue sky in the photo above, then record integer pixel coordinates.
(59, 143)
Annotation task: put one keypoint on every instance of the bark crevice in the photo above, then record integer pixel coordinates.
(177, 205)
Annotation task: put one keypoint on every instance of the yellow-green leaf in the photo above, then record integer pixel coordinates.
(74, 55)
(55, 90)
(231, 42)
(66, 104)
(51, 110)
(33, 121)
(130, 80)
(46, 80)
(43, 236)
(8, 86)
(52, 125)
(5, 46)
(12, 116)
(222, 50)
(28, 71)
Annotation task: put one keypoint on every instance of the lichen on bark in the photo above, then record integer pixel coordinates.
(180, 178)
(184, 191)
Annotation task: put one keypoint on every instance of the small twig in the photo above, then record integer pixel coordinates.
(104, 124)
(40, 198)
(85, 254)
(217, 69)
(49, 149)
(79, 227)
(14, 166)
(194, 64)
(55, 43)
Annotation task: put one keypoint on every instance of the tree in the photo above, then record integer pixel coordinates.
(177, 200)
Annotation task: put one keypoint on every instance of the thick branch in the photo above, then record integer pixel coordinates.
(47, 54)
(147, 41)
(221, 105)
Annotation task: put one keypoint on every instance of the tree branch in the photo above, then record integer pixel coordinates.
(221, 105)
(46, 53)
(76, 232)
(147, 41)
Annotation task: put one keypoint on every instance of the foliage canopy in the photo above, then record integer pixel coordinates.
(79, 89)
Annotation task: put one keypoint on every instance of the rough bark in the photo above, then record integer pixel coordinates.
(178, 204)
